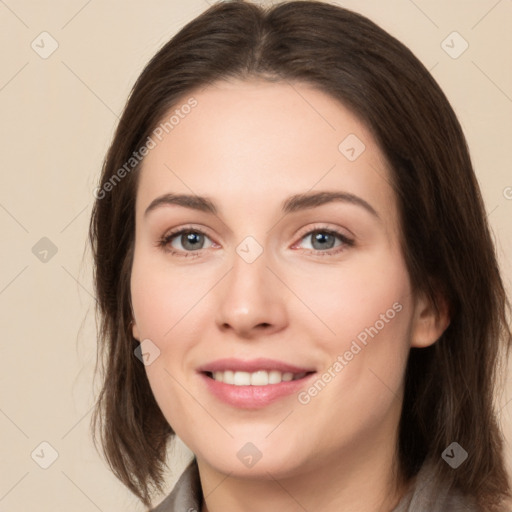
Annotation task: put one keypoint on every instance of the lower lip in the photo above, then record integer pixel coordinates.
(253, 397)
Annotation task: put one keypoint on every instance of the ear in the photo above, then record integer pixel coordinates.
(133, 324)
(135, 331)
(429, 323)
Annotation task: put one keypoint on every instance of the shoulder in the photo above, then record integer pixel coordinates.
(186, 495)
(425, 496)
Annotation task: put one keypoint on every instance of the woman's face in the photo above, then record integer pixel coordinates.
(289, 267)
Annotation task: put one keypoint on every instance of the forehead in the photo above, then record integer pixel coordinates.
(281, 114)
(254, 139)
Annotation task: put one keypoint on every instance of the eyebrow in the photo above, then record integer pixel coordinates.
(202, 204)
(292, 204)
(314, 199)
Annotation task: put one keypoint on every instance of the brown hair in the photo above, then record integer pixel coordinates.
(450, 386)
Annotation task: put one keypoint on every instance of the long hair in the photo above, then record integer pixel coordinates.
(450, 387)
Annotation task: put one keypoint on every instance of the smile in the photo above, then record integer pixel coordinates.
(255, 383)
(257, 378)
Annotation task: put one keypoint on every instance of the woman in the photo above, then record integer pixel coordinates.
(295, 275)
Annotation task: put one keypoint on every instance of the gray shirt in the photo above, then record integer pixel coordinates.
(187, 496)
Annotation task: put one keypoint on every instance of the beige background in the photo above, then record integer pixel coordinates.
(58, 115)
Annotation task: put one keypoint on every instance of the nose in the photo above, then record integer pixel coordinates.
(251, 300)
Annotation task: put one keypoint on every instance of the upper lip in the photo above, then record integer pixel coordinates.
(252, 365)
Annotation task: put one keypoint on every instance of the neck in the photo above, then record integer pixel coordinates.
(361, 481)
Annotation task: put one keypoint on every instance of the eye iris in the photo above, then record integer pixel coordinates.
(192, 238)
(322, 237)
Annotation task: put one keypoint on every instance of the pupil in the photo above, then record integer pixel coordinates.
(192, 239)
(322, 238)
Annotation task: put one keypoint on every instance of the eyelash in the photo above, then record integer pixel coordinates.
(164, 241)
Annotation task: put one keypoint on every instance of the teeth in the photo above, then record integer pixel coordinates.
(274, 377)
(258, 378)
(242, 379)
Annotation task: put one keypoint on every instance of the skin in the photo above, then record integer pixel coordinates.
(248, 146)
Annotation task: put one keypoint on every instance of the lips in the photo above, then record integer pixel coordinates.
(253, 384)
(253, 365)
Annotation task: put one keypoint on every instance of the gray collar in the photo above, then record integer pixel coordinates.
(187, 495)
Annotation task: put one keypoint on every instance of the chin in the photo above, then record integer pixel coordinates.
(248, 459)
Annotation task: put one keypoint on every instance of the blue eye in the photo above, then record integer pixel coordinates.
(323, 240)
(191, 241)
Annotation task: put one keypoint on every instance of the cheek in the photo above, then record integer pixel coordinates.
(166, 306)
(162, 298)
(365, 292)
(366, 313)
